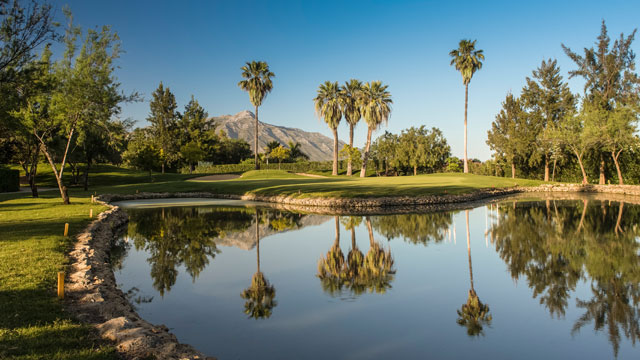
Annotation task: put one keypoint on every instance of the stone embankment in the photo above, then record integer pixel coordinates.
(93, 296)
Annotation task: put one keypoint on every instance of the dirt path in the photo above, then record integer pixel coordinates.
(311, 175)
(217, 177)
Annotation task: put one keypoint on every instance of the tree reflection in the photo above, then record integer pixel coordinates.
(473, 314)
(372, 272)
(555, 248)
(414, 228)
(260, 296)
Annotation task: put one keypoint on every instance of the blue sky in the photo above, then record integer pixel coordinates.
(198, 47)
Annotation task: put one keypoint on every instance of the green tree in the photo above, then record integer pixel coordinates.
(467, 60)
(142, 152)
(352, 154)
(419, 147)
(547, 99)
(191, 153)
(578, 134)
(510, 133)
(328, 104)
(164, 117)
(375, 105)
(384, 152)
(258, 83)
(296, 151)
(611, 83)
(280, 153)
(453, 164)
(351, 93)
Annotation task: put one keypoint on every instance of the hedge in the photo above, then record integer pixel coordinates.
(9, 180)
(240, 168)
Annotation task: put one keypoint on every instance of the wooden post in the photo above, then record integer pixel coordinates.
(60, 284)
(66, 229)
(90, 213)
(92, 200)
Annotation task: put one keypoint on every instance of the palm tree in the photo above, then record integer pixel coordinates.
(331, 269)
(260, 296)
(375, 107)
(327, 104)
(467, 60)
(473, 314)
(296, 151)
(351, 107)
(258, 84)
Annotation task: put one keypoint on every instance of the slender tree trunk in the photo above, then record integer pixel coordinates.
(602, 177)
(336, 243)
(553, 175)
(615, 161)
(335, 151)
(349, 163)
(619, 220)
(258, 239)
(584, 212)
(370, 230)
(546, 167)
(513, 170)
(279, 161)
(86, 176)
(255, 142)
(466, 214)
(466, 102)
(58, 176)
(353, 238)
(584, 173)
(363, 171)
(32, 174)
(415, 170)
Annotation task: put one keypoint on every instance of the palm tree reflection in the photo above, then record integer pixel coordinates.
(260, 296)
(473, 314)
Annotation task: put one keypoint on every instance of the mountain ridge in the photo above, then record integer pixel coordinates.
(242, 126)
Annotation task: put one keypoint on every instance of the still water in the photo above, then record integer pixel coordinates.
(525, 279)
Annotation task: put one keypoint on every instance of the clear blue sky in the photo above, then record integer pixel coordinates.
(198, 47)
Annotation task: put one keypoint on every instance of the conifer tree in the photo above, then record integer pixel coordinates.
(163, 118)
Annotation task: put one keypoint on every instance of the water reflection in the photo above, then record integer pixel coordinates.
(473, 314)
(360, 273)
(260, 296)
(553, 250)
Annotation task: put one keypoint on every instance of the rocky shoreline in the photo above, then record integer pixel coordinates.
(93, 295)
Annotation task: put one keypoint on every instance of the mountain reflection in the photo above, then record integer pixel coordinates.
(185, 236)
(556, 245)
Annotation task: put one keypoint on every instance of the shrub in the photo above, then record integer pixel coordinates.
(9, 180)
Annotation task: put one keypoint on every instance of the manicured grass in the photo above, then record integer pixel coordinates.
(33, 324)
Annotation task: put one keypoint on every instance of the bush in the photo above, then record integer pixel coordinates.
(9, 180)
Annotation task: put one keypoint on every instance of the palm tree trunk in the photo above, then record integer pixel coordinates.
(615, 161)
(337, 241)
(349, 163)
(258, 240)
(415, 170)
(365, 158)
(335, 151)
(353, 238)
(255, 143)
(370, 229)
(466, 102)
(466, 213)
(513, 170)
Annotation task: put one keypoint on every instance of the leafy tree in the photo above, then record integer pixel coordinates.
(258, 84)
(384, 152)
(375, 105)
(328, 104)
(419, 147)
(547, 99)
(142, 152)
(611, 84)
(467, 60)
(280, 153)
(352, 154)
(296, 152)
(453, 164)
(191, 153)
(351, 108)
(163, 117)
(578, 134)
(510, 133)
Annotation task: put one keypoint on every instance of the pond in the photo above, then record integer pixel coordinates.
(515, 278)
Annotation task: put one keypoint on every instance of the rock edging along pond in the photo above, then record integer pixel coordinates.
(94, 297)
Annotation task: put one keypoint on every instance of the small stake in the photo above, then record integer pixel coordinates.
(90, 213)
(60, 284)
(92, 199)
(66, 229)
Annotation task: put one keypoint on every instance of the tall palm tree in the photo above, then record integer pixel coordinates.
(467, 60)
(257, 82)
(473, 314)
(260, 296)
(331, 269)
(351, 92)
(375, 107)
(328, 106)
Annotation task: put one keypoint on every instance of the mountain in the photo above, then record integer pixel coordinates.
(242, 126)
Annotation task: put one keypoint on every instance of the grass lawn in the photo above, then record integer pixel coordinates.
(33, 249)
(34, 325)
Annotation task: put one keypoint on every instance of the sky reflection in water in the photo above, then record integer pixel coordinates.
(522, 279)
